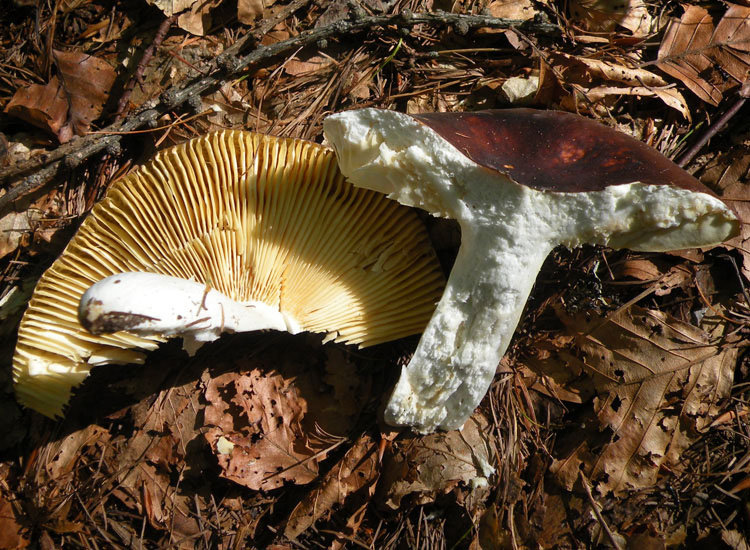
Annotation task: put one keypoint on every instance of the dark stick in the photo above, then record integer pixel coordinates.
(137, 77)
(716, 127)
(226, 66)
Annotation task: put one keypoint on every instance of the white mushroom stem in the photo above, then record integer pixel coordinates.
(470, 330)
(154, 304)
(507, 232)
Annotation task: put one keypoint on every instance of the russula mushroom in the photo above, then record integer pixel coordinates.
(519, 182)
(232, 231)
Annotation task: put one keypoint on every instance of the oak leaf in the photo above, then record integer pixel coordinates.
(71, 100)
(426, 466)
(659, 382)
(709, 59)
(356, 472)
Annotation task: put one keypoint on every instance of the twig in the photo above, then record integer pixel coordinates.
(607, 531)
(137, 77)
(716, 127)
(227, 65)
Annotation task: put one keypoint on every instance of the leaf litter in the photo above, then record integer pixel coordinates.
(162, 463)
(71, 101)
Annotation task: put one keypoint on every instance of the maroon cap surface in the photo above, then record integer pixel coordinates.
(556, 151)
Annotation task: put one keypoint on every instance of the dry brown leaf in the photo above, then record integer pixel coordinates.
(356, 471)
(730, 174)
(64, 453)
(599, 81)
(521, 10)
(250, 10)
(68, 104)
(426, 466)
(297, 67)
(12, 535)
(658, 382)
(272, 409)
(155, 453)
(699, 54)
(194, 15)
(606, 15)
(269, 426)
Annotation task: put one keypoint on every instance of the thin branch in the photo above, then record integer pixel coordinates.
(595, 507)
(38, 172)
(137, 78)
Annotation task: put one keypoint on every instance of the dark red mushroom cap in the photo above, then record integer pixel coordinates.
(556, 151)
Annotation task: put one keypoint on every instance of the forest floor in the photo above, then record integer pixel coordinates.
(618, 417)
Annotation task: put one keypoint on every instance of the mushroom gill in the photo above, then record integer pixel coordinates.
(256, 218)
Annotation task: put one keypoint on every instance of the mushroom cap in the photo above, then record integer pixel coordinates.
(629, 194)
(556, 151)
(257, 218)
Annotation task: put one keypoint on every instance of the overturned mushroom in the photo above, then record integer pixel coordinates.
(519, 182)
(233, 231)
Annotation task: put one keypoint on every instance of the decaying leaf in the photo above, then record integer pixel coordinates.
(708, 59)
(357, 472)
(426, 466)
(521, 10)
(598, 81)
(74, 97)
(272, 424)
(194, 15)
(606, 15)
(250, 10)
(64, 453)
(12, 535)
(729, 173)
(658, 383)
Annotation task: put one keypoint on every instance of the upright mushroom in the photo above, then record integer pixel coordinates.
(232, 231)
(519, 182)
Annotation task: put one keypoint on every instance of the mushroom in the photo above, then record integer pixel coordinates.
(520, 182)
(229, 232)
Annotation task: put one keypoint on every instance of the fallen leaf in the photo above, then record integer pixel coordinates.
(74, 97)
(297, 67)
(250, 10)
(734, 539)
(708, 60)
(521, 10)
(12, 535)
(356, 472)
(606, 15)
(66, 452)
(598, 80)
(272, 425)
(658, 381)
(426, 466)
(729, 174)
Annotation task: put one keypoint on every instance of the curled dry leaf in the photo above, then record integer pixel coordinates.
(74, 97)
(729, 173)
(658, 383)
(607, 15)
(272, 424)
(599, 81)
(356, 473)
(12, 534)
(426, 466)
(250, 10)
(708, 59)
(194, 15)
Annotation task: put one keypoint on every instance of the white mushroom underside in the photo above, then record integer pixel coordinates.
(152, 303)
(507, 232)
